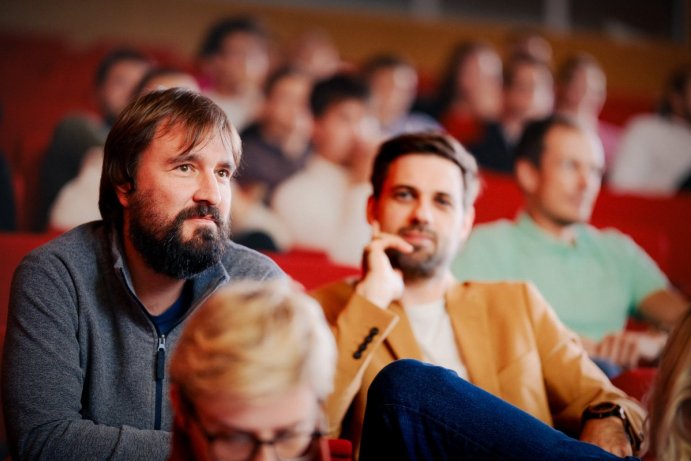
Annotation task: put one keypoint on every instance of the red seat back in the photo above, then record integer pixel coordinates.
(340, 449)
(13, 248)
(311, 268)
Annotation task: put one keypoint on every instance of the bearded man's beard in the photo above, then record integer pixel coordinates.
(162, 245)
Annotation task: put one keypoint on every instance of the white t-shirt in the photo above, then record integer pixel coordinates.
(324, 211)
(432, 329)
(654, 156)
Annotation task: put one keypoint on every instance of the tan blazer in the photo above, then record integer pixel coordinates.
(509, 339)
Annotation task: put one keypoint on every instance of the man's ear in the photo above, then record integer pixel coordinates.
(123, 193)
(371, 209)
(527, 176)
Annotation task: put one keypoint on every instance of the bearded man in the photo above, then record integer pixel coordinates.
(94, 312)
(503, 337)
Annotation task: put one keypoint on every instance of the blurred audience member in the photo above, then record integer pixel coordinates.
(526, 42)
(316, 54)
(654, 156)
(162, 78)
(528, 95)
(275, 147)
(77, 201)
(116, 78)
(470, 90)
(249, 375)
(580, 93)
(235, 57)
(323, 205)
(393, 82)
(7, 203)
(593, 279)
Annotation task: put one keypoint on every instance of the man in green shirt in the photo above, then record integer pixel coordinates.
(594, 279)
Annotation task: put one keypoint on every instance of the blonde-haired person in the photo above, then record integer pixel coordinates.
(670, 402)
(249, 375)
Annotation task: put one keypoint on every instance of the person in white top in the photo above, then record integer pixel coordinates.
(323, 206)
(654, 156)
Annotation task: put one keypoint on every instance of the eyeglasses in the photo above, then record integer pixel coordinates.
(244, 446)
(237, 445)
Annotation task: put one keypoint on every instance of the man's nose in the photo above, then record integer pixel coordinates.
(422, 212)
(266, 452)
(208, 189)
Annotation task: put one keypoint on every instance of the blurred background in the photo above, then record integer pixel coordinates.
(49, 50)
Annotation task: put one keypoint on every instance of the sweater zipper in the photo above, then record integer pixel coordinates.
(160, 374)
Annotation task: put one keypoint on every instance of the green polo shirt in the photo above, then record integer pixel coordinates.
(594, 284)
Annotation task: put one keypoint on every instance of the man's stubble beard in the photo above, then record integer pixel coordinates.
(418, 265)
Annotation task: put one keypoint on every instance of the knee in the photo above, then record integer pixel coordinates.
(403, 381)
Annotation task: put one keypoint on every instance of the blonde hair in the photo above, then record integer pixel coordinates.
(255, 339)
(670, 402)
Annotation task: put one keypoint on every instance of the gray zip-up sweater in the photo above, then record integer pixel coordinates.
(80, 377)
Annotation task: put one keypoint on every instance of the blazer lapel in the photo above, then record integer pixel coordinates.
(472, 328)
(401, 341)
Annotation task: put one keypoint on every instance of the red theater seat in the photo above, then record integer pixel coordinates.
(311, 268)
(13, 248)
(340, 449)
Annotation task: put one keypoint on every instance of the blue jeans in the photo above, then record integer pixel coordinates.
(416, 411)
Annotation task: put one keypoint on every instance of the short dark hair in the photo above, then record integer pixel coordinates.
(383, 62)
(676, 84)
(531, 145)
(213, 42)
(518, 60)
(115, 57)
(279, 74)
(427, 143)
(336, 89)
(136, 127)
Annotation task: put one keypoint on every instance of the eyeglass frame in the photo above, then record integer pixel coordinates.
(257, 442)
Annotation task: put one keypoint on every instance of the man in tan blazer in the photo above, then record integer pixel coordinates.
(503, 337)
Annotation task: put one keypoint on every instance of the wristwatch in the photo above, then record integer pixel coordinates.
(607, 409)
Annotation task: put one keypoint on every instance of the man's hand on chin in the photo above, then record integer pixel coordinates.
(608, 434)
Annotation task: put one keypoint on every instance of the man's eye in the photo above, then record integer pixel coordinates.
(185, 168)
(224, 173)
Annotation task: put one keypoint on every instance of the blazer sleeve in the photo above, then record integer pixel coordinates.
(572, 380)
(353, 319)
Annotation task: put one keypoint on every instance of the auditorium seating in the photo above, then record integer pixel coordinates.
(311, 268)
